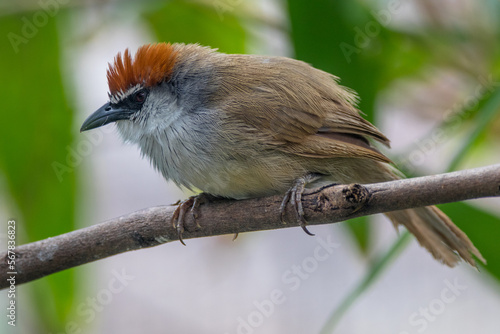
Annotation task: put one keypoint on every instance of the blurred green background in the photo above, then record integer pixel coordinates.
(430, 65)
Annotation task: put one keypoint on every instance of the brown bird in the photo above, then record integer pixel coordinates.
(244, 126)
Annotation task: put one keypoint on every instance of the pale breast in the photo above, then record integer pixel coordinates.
(194, 161)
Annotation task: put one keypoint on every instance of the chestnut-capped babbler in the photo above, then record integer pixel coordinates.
(243, 126)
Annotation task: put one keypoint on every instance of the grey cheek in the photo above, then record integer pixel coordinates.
(151, 109)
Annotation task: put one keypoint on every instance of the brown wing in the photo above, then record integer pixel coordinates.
(304, 112)
(342, 145)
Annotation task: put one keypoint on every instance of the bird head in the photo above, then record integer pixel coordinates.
(144, 89)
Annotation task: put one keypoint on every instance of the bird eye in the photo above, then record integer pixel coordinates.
(140, 96)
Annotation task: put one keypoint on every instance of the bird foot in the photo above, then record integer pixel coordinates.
(191, 204)
(294, 197)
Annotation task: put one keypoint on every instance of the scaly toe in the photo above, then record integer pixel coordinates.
(178, 217)
(285, 201)
(294, 197)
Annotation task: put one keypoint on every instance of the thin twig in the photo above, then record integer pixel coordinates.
(330, 204)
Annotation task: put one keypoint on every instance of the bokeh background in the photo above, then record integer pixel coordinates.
(428, 75)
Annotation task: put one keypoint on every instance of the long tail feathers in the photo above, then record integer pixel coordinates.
(436, 232)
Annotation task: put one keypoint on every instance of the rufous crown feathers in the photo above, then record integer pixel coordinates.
(152, 64)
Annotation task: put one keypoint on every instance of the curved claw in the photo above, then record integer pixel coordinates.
(304, 227)
(178, 218)
(294, 197)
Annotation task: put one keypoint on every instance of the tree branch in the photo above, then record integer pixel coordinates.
(330, 204)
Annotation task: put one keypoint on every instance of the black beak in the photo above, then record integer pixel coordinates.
(104, 115)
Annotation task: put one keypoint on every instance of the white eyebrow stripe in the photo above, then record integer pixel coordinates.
(120, 96)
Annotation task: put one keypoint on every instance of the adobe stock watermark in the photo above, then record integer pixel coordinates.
(427, 314)
(453, 117)
(292, 279)
(88, 310)
(10, 258)
(32, 25)
(76, 153)
(225, 6)
(364, 36)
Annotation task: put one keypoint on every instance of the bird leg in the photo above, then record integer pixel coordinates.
(192, 204)
(294, 197)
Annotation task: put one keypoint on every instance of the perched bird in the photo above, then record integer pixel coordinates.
(244, 126)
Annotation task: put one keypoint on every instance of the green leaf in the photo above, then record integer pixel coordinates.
(342, 38)
(360, 230)
(484, 118)
(482, 228)
(194, 22)
(35, 131)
